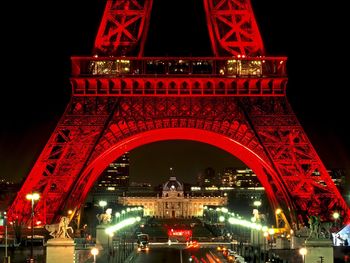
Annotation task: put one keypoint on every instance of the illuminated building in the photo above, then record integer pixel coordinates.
(246, 178)
(173, 203)
(115, 176)
(228, 177)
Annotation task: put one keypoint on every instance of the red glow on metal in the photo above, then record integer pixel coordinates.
(237, 104)
(92, 172)
(196, 76)
(123, 28)
(232, 28)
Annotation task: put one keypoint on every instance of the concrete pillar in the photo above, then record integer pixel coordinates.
(60, 250)
(102, 238)
(319, 250)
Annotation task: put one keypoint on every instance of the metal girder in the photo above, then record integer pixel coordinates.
(266, 126)
(237, 104)
(232, 28)
(63, 157)
(309, 184)
(123, 28)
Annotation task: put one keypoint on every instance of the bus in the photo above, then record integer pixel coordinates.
(142, 242)
(179, 235)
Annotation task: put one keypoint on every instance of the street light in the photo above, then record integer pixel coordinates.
(32, 197)
(336, 216)
(257, 203)
(110, 244)
(265, 240)
(303, 252)
(5, 224)
(102, 204)
(94, 252)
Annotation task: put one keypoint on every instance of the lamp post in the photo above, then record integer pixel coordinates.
(303, 252)
(102, 204)
(271, 233)
(32, 197)
(265, 243)
(257, 203)
(94, 252)
(110, 244)
(5, 224)
(336, 216)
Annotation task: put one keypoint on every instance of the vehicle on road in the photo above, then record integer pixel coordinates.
(142, 242)
(193, 245)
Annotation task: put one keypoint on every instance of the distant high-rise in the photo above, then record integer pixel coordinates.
(228, 177)
(238, 178)
(246, 178)
(207, 177)
(116, 175)
(338, 177)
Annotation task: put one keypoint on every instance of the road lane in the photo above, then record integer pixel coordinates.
(174, 254)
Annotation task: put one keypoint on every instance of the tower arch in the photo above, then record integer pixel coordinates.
(107, 113)
(263, 170)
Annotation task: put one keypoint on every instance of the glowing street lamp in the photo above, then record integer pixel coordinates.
(336, 216)
(32, 197)
(257, 203)
(110, 235)
(94, 252)
(102, 204)
(303, 252)
(265, 240)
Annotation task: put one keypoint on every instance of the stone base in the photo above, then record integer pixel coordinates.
(297, 242)
(319, 250)
(102, 239)
(282, 243)
(60, 250)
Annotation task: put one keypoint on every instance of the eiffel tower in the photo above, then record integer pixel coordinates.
(235, 100)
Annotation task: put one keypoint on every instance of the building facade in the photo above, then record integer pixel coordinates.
(173, 202)
(115, 176)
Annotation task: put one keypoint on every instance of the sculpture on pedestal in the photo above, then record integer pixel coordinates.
(105, 218)
(318, 229)
(60, 230)
(314, 223)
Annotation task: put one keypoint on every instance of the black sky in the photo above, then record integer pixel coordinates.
(38, 40)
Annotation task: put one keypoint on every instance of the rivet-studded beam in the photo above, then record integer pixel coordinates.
(93, 127)
(123, 29)
(232, 28)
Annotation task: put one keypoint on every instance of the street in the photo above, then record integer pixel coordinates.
(177, 254)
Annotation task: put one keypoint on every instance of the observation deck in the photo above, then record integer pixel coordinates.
(187, 76)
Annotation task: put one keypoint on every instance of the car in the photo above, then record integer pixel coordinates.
(142, 242)
(230, 255)
(193, 244)
(220, 248)
(142, 247)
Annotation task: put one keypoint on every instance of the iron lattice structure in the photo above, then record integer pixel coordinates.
(237, 103)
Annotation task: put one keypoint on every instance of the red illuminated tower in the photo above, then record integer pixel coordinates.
(235, 100)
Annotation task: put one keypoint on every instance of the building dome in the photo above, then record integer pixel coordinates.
(173, 185)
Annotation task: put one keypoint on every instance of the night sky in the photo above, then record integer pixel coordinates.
(37, 46)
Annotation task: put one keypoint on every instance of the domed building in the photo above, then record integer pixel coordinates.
(173, 203)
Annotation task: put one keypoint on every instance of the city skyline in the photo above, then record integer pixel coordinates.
(38, 65)
(198, 154)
